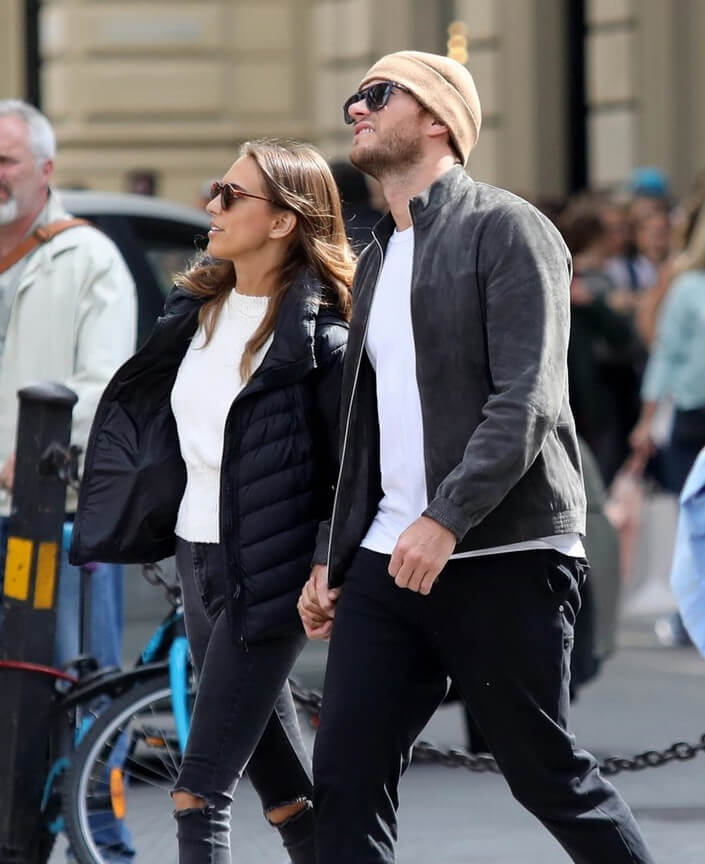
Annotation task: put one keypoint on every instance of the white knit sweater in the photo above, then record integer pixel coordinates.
(207, 382)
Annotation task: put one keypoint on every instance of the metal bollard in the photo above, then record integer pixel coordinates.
(28, 627)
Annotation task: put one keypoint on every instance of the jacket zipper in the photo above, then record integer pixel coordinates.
(352, 399)
(228, 513)
(228, 493)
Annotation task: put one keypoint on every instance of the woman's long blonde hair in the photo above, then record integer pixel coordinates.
(296, 178)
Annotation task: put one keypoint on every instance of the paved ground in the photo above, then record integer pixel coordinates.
(646, 697)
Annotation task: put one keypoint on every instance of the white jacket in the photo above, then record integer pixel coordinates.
(73, 320)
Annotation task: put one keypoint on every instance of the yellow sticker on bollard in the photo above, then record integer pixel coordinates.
(46, 576)
(17, 568)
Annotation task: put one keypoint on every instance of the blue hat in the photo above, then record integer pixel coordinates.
(648, 181)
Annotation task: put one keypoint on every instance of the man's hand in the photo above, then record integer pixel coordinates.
(422, 551)
(317, 604)
(7, 474)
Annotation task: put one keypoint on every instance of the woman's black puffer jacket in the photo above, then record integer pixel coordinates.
(279, 459)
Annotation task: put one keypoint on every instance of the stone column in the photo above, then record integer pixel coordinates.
(12, 50)
(670, 70)
(171, 85)
(517, 55)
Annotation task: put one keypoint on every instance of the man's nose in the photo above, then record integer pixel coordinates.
(358, 109)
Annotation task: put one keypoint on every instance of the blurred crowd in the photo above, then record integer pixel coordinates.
(637, 346)
(637, 333)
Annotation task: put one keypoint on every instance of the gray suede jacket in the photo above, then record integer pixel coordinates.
(491, 320)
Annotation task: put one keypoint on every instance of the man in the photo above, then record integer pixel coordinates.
(67, 314)
(456, 532)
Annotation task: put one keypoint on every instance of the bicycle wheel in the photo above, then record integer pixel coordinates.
(116, 791)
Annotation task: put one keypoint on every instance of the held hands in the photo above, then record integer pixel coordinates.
(422, 551)
(317, 604)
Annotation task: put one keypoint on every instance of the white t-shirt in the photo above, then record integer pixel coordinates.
(390, 348)
(206, 384)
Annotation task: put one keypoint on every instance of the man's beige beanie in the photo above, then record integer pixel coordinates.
(442, 85)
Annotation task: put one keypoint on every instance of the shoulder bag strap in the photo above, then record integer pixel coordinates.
(41, 235)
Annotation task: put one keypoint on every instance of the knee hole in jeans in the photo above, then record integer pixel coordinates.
(288, 811)
(186, 802)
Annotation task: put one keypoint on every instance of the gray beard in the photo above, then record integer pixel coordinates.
(9, 211)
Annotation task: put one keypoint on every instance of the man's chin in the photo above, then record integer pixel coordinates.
(9, 211)
(364, 159)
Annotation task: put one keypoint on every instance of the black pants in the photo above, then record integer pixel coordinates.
(243, 716)
(502, 627)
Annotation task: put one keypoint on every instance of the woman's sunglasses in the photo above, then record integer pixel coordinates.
(229, 194)
(376, 97)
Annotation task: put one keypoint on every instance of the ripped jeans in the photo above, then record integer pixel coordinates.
(243, 717)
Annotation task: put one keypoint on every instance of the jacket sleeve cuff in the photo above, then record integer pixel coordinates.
(320, 554)
(449, 515)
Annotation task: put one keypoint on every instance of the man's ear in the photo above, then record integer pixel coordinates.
(47, 170)
(283, 224)
(435, 128)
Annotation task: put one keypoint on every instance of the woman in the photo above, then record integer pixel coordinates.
(603, 351)
(676, 366)
(676, 371)
(218, 441)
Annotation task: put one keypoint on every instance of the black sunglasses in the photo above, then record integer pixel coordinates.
(376, 97)
(229, 194)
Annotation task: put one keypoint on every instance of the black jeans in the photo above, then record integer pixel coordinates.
(243, 716)
(502, 627)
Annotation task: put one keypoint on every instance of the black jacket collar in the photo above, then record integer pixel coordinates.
(291, 354)
(426, 204)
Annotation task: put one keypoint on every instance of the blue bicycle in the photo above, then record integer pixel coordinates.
(130, 747)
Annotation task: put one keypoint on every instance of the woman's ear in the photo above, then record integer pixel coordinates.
(283, 224)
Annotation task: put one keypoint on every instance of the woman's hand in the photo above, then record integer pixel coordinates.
(640, 438)
(316, 604)
(7, 474)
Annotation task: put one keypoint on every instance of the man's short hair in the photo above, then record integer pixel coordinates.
(41, 137)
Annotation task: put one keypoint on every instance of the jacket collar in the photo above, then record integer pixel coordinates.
(426, 204)
(41, 258)
(291, 354)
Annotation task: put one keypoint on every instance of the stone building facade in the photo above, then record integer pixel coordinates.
(172, 86)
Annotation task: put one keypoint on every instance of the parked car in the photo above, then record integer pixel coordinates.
(156, 237)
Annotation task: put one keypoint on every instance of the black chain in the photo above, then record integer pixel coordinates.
(310, 700)
(154, 574)
(681, 751)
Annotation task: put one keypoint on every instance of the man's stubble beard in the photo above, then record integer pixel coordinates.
(395, 156)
